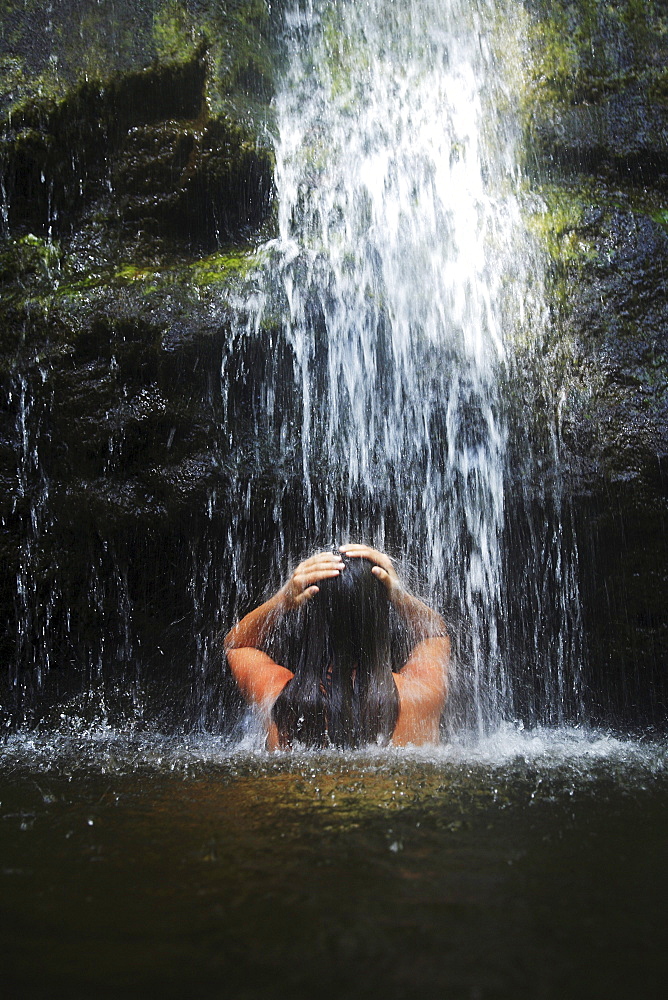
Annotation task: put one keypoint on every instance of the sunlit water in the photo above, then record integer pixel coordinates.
(83, 746)
(400, 280)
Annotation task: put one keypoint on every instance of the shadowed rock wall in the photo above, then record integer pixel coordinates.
(596, 118)
(136, 176)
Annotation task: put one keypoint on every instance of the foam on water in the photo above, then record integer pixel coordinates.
(79, 748)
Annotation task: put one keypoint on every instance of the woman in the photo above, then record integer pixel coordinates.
(349, 617)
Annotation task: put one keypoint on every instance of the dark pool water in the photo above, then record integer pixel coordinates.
(528, 865)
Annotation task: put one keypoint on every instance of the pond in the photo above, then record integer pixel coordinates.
(528, 864)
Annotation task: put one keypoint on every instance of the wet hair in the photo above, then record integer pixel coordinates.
(343, 693)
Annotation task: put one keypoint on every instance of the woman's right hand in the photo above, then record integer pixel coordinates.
(301, 586)
(426, 622)
(382, 567)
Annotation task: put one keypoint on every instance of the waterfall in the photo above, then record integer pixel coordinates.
(399, 278)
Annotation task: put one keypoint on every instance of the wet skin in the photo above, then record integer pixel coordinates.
(421, 683)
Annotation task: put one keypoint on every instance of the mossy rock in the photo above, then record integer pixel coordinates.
(140, 151)
(48, 51)
(582, 51)
(594, 99)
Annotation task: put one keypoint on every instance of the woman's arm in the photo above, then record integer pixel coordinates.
(260, 678)
(254, 628)
(422, 684)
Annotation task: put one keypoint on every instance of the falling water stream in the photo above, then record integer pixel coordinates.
(509, 861)
(401, 277)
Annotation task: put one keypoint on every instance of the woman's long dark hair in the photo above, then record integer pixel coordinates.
(343, 693)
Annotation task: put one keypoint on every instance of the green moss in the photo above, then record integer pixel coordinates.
(554, 60)
(124, 275)
(648, 202)
(216, 269)
(175, 32)
(242, 61)
(223, 267)
(590, 49)
(28, 263)
(636, 14)
(127, 273)
(219, 269)
(12, 80)
(558, 225)
(660, 216)
(348, 59)
(64, 43)
(44, 53)
(658, 88)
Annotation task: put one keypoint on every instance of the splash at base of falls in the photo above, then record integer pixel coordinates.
(91, 746)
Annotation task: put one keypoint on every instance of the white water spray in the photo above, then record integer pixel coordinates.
(398, 261)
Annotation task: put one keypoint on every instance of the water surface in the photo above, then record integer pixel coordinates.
(529, 864)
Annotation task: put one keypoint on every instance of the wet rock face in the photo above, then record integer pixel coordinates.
(117, 473)
(140, 154)
(56, 154)
(598, 132)
(125, 456)
(615, 446)
(623, 136)
(198, 183)
(616, 422)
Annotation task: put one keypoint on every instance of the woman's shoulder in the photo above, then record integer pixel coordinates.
(422, 686)
(419, 716)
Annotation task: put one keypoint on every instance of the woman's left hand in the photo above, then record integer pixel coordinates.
(382, 567)
(302, 584)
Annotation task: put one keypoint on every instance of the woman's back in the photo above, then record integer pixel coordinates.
(337, 687)
(343, 691)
